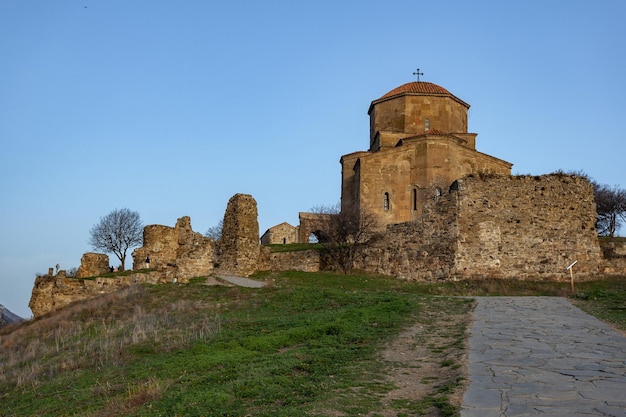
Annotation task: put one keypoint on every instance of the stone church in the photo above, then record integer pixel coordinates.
(419, 145)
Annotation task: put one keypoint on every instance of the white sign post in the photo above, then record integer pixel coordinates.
(571, 274)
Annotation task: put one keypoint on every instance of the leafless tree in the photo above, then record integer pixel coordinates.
(342, 234)
(117, 232)
(610, 204)
(215, 232)
(611, 207)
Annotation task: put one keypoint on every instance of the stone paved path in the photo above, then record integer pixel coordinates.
(541, 356)
(242, 282)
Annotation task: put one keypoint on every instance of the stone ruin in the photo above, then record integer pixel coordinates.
(509, 227)
(239, 246)
(177, 252)
(93, 264)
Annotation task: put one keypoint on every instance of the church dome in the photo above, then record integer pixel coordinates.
(419, 88)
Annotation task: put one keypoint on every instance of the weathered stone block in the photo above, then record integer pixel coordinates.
(92, 264)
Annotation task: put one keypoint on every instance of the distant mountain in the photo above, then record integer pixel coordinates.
(6, 317)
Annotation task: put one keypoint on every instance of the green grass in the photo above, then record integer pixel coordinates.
(307, 344)
(294, 247)
(604, 299)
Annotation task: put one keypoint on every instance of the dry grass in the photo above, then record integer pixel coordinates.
(98, 333)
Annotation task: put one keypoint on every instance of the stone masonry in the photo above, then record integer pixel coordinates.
(176, 255)
(178, 252)
(239, 245)
(52, 292)
(93, 264)
(281, 234)
(526, 227)
(521, 227)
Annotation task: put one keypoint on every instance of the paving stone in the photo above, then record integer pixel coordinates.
(532, 356)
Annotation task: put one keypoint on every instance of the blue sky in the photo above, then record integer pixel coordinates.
(169, 108)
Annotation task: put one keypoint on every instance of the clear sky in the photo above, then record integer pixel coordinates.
(169, 108)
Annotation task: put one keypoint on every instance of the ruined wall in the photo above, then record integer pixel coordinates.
(307, 260)
(178, 252)
(176, 255)
(239, 245)
(526, 226)
(504, 227)
(311, 223)
(614, 254)
(52, 292)
(195, 254)
(93, 264)
(160, 243)
(421, 250)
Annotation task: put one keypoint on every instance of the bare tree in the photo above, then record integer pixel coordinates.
(611, 207)
(610, 204)
(117, 232)
(343, 234)
(215, 232)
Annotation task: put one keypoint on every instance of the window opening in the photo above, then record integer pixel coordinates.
(414, 199)
(427, 124)
(386, 203)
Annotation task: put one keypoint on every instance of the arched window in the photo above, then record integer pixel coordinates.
(414, 198)
(386, 202)
(427, 124)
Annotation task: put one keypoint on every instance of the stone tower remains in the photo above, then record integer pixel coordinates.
(239, 247)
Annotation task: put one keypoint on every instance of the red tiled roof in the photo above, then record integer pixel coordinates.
(419, 87)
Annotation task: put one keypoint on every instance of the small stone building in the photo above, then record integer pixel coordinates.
(283, 233)
(419, 144)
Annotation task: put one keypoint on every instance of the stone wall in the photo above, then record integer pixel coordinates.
(160, 243)
(506, 227)
(526, 226)
(178, 252)
(52, 292)
(239, 245)
(421, 250)
(308, 260)
(310, 223)
(614, 253)
(93, 264)
(176, 255)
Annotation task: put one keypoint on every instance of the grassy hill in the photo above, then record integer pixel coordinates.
(316, 344)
